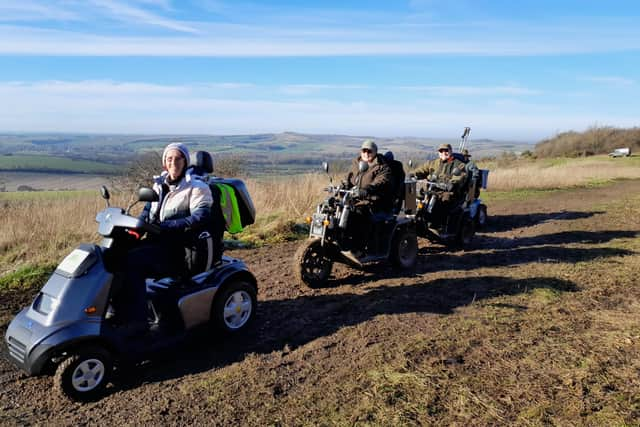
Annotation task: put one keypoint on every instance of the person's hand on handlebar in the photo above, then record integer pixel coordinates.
(360, 193)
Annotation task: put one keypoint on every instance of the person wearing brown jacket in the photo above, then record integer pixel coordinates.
(373, 190)
(375, 184)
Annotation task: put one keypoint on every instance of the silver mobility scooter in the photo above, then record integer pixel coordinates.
(71, 328)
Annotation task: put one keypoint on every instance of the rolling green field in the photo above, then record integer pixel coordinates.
(54, 164)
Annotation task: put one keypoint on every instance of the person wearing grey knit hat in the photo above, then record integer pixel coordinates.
(175, 159)
(183, 213)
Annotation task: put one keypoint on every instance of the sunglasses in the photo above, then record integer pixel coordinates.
(366, 150)
(443, 151)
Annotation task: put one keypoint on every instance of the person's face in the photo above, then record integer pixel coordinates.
(444, 154)
(175, 163)
(367, 155)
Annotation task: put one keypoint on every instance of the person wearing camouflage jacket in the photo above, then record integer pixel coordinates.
(445, 169)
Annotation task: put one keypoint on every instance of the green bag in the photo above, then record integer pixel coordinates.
(229, 207)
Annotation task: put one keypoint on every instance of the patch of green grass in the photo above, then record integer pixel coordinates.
(599, 182)
(54, 164)
(27, 277)
(271, 229)
(517, 195)
(545, 294)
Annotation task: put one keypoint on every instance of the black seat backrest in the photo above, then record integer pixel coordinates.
(203, 164)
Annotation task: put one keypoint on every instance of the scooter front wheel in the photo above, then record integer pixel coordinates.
(83, 376)
(311, 264)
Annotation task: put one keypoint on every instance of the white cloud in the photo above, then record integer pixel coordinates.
(273, 35)
(471, 90)
(140, 16)
(126, 107)
(307, 89)
(27, 10)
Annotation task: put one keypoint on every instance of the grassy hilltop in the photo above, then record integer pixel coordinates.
(271, 153)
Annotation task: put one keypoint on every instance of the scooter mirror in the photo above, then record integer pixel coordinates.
(363, 166)
(146, 194)
(104, 192)
(325, 167)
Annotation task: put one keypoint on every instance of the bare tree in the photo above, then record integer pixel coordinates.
(139, 172)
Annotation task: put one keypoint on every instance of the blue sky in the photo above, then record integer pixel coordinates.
(521, 70)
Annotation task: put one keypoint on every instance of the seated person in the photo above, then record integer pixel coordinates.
(374, 188)
(183, 211)
(445, 169)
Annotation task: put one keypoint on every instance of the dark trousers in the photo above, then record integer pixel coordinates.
(151, 260)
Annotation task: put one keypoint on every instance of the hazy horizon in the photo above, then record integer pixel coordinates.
(523, 71)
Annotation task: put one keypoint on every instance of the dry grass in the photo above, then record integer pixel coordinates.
(559, 173)
(36, 229)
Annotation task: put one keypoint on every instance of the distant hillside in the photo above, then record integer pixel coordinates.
(269, 153)
(54, 164)
(596, 140)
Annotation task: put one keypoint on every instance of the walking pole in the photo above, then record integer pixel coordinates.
(464, 137)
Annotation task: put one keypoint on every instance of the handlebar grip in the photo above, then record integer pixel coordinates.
(152, 228)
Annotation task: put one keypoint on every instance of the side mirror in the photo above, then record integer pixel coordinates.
(410, 163)
(325, 167)
(146, 194)
(104, 192)
(363, 166)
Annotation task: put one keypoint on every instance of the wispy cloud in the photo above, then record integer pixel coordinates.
(27, 10)
(472, 90)
(307, 89)
(126, 107)
(230, 43)
(129, 13)
(254, 30)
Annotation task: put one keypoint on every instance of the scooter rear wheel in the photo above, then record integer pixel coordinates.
(234, 307)
(404, 249)
(481, 216)
(466, 232)
(311, 264)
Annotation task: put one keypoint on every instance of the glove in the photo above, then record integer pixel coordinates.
(360, 193)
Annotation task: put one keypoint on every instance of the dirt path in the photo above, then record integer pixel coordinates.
(298, 341)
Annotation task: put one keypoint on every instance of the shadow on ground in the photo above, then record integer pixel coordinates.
(291, 323)
(499, 223)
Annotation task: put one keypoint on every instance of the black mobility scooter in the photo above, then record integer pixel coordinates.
(445, 216)
(71, 328)
(331, 237)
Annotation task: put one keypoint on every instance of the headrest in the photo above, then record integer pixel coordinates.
(204, 161)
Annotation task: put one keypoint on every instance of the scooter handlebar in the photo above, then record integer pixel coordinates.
(151, 228)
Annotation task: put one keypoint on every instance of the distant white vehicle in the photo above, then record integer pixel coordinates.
(620, 152)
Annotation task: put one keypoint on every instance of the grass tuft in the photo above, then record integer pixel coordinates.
(27, 277)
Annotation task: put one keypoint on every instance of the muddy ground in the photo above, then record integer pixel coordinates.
(468, 338)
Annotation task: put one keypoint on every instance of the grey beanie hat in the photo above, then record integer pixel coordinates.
(176, 146)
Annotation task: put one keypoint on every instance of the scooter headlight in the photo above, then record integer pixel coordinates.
(44, 303)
